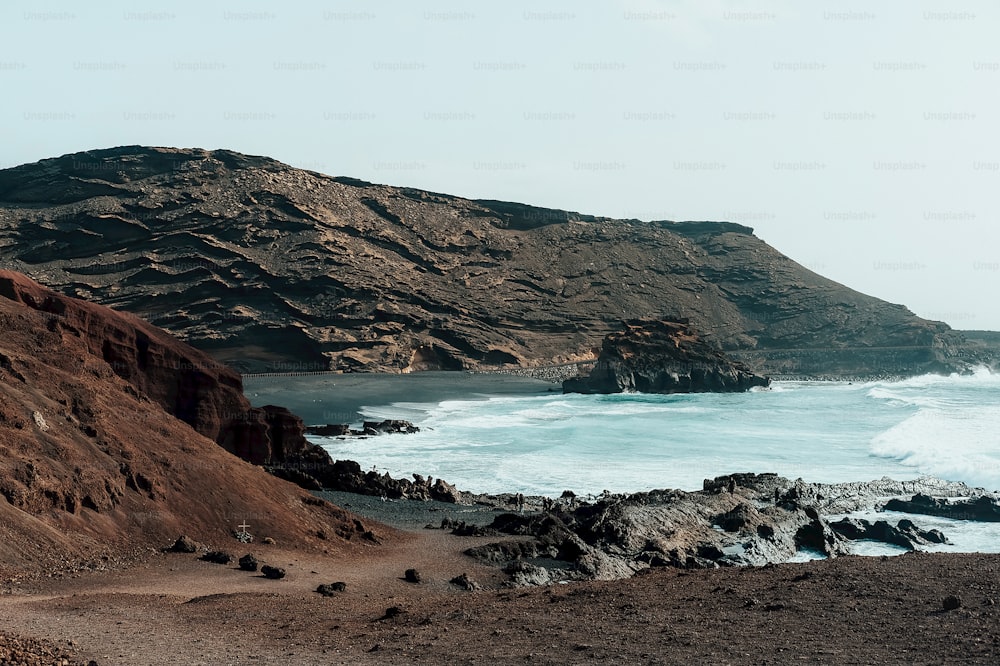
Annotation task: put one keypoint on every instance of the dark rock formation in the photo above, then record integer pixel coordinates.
(412, 576)
(766, 519)
(347, 476)
(271, 268)
(249, 563)
(331, 589)
(982, 508)
(904, 533)
(663, 357)
(463, 581)
(217, 557)
(368, 428)
(274, 573)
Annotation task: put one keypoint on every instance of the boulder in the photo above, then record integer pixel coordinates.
(248, 563)
(412, 576)
(217, 557)
(274, 573)
(331, 589)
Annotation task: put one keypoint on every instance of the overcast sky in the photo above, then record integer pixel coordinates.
(860, 138)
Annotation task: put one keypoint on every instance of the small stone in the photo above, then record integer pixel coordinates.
(329, 590)
(269, 541)
(412, 576)
(951, 602)
(465, 582)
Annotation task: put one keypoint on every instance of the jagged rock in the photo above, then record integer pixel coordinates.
(473, 283)
(184, 544)
(331, 589)
(248, 563)
(347, 476)
(663, 357)
(524, 574)
(274, 573)
(390, 426)
(982, 508)
(412, 576)
(904, 534)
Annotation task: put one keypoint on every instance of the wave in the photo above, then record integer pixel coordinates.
(957, 444)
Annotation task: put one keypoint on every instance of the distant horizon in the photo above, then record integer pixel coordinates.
(863, 141)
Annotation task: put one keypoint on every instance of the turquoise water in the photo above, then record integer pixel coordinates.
(948, 427)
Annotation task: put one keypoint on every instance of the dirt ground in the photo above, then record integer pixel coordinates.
(176, 609)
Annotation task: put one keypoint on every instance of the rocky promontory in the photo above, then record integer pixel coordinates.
(663, 357)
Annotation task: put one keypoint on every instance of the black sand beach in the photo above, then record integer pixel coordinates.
(338, 398)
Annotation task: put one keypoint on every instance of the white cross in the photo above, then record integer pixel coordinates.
(244, 526)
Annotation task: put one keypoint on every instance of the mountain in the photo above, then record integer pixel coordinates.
(273, 268)
(94, 466)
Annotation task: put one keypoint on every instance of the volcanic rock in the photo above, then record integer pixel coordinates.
(663, 357)
(217, 557)
(114, 469)
(331, 589)
(274, 573)
(249, 563)
(277, 269)
(983, 508)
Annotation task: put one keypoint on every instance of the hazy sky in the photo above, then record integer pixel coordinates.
(860, 138)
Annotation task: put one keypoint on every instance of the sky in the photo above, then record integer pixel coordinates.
(862, 139)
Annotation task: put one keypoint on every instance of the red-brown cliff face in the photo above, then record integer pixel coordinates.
(90, 462)
(187, 383)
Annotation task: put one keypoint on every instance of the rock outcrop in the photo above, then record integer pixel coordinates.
(663, 357)
(185, 382)
(271, 268)
(981, 508)
(92, 465)
(740, 519)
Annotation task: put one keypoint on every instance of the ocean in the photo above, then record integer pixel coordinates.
(491, 434)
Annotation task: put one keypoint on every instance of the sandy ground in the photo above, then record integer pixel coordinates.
(175, 609)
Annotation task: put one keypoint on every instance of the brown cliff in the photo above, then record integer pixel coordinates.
(91, 463)
(187, 383)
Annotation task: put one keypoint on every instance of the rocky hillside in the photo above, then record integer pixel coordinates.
(663, 357)
(91, 464)
(270, 267)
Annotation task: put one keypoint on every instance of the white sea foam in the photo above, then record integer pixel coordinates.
(821, 431)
